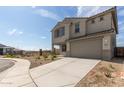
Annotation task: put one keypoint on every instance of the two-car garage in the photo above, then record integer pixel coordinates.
(86, 48)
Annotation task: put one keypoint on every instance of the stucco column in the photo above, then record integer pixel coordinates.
(67, 31)
(53, 48)
(107, 48)
(67, 48)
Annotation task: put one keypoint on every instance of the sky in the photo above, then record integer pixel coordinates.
(29, 28)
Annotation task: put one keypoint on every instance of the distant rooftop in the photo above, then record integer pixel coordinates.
(2, 46)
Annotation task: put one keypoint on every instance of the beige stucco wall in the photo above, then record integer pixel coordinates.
(70, 30)
(102, 47)
(99, 25)
(56, 40)
(82, 23)
(108, 48)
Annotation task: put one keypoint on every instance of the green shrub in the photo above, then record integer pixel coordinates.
(9, 56)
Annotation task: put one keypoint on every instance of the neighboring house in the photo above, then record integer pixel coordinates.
(87, 37)
(5, 49)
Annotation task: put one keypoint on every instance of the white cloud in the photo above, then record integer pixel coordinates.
(121, 28)
(120, 37)
(120, 43)
(33, 48)
(14, 32)
(43, 37)
(87, 11)
(121, 13)
(120, 23)
(119, 7)
(47, 14)
(20, 32)
(33, 7)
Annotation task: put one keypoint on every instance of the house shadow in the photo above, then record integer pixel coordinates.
(119, 60)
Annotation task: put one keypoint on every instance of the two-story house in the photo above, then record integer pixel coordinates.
(87, 37)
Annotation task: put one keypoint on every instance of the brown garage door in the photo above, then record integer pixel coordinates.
(88, 48)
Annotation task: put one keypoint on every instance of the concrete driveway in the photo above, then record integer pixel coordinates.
(61, 73)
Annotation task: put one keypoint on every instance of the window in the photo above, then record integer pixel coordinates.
(60, 32)
(77, 27)
(101, 18)
(63, 48)
(57, 32)
(92, 21)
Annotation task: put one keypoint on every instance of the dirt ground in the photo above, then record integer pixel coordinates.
(38, 62)
(103, 74)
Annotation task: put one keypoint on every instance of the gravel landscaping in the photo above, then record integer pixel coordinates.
(38, 61)
(105, 74)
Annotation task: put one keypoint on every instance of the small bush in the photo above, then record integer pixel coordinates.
(51, 57)
(9, 56)
(38, 57)
(45, 56)
(53, 54)
(108, 74)
(111, 66)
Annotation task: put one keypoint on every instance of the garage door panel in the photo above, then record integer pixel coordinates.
(90, 48)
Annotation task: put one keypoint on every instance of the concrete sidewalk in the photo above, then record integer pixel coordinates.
(65, 72)
(18, 75)
(60, 73)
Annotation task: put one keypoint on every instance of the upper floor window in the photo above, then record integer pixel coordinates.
(60, 32)
(101, 18)
(92, 21)
(77, 27)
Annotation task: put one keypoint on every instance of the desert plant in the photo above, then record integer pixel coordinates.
(51, 57)
(38, 57)
(53, 54)
(9, 56)
(45, 56)
(108, 74)
(18, 56)
(111, 66)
